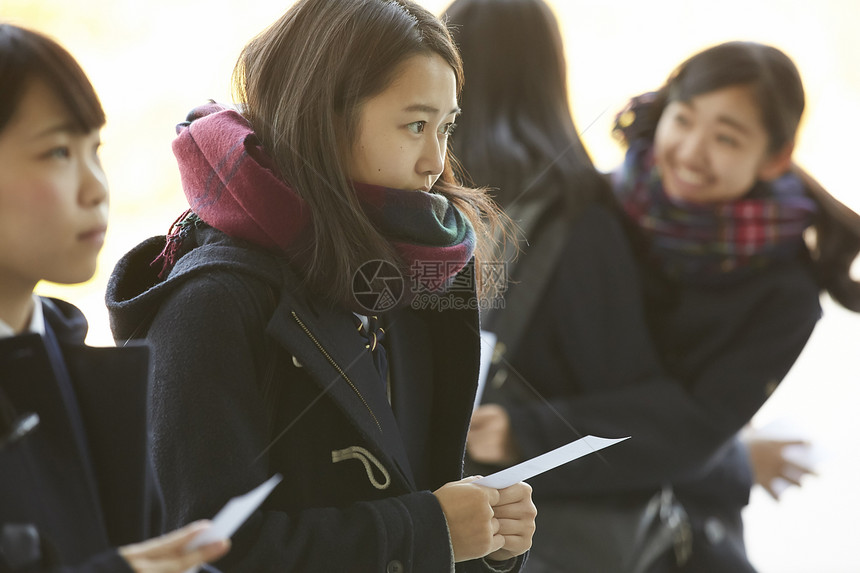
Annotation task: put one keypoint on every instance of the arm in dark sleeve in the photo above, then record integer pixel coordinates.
(602, 342)
(107, 562)
(211, 434)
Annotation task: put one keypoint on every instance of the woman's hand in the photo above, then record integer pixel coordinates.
(490, 440)
(166, 554)
(472, 526)
(487, 522)
(516, 514)
(769, 463)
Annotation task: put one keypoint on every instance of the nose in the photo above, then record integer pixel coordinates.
(691, 150)
(432, 160)
(93, 183)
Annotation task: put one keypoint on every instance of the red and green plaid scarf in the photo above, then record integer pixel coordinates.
(231, 185)
(700, 243)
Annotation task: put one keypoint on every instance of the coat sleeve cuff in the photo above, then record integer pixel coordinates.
(106, 562)
(500, 566)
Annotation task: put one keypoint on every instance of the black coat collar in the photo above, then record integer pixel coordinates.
(326, 343)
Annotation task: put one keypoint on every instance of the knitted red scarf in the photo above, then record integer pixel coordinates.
(231, 185)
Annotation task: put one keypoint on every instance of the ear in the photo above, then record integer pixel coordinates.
(776, 164)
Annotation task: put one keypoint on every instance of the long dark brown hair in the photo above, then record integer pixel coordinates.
(25, 56)
(302, 83)
(776, 85)
(516, 133)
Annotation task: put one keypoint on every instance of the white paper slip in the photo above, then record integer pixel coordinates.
(488, 345)
(234, 514)
(547, 461)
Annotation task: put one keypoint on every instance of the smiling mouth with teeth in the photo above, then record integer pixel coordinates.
(690, 177)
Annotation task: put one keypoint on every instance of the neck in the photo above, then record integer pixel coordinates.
(16, 305)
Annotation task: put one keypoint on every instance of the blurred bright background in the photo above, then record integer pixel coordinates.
(152, 62)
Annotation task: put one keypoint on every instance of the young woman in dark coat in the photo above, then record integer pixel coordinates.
(325, 209)
(75, 477)
(581, 356)
(736, 244)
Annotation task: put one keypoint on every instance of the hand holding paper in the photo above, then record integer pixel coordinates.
(234, 514)
(167, 554)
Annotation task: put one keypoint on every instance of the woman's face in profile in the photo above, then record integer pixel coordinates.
(53, 193)
(403, 131)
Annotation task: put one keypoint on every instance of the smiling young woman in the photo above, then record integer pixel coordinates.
(720, 218)
(714, 147)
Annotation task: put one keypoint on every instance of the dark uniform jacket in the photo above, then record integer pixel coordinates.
(255, 376)
(80, 482)
(681, 379)
(592, 353)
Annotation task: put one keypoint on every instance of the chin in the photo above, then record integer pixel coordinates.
(73, 276)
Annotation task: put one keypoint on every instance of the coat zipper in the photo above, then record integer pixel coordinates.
(336, 367)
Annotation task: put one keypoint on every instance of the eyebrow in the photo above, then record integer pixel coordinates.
(732, 122)
(723, 119)
(428, 108)
(64, 127)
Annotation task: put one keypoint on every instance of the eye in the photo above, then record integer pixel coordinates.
(59, 152)
(416, 126)
(682, 120)
(728, 140)
(447, 129)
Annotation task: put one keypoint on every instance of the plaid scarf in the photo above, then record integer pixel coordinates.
(702, 243)
(231, 185)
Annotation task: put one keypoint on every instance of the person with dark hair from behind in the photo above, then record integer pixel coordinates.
(270, 355)
(572, 322)
(594, 339)
(75, 477)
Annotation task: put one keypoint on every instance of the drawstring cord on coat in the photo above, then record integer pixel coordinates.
(359, 453)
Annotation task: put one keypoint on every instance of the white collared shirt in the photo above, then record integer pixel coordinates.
(37, 321)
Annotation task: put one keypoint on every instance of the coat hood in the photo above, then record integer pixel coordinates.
(135, 292)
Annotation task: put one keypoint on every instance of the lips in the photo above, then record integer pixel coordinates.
(94, 235)
(685, 183)
(689, 177)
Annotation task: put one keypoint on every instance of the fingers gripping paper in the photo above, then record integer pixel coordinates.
(233, 515)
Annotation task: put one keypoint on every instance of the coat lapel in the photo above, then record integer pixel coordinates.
(55, 465)
(327, 343)
(111, 386)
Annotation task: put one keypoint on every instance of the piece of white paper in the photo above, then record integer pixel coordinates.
(234, 514)
(547, 461)
(488, 346)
